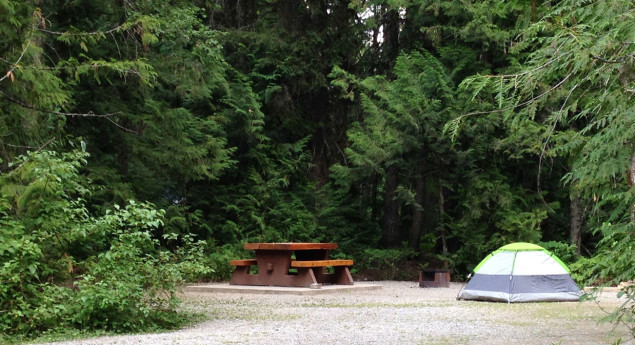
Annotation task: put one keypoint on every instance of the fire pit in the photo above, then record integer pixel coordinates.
(434, 278)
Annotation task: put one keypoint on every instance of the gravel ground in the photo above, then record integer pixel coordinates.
(398, 313)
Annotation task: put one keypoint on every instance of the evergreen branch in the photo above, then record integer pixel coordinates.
(530, 71)
(6, 61)
(520, 104)
(342, 153)
(620, 60)
(544, 146)
(553, 128)
(120, 126)
(89, 114)
(116, 44)
(61, 68)
(454, 124)
(81, 33)
(18, 146)
(24, 105)
(15, 64)
(93, 64)
(38, 150)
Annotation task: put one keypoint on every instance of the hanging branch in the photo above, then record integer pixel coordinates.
(89, 114)
(82, 33)
(549, 62)
(620, 60)
(544, 146)
(455, 123)
(38, 150)
(9, 74)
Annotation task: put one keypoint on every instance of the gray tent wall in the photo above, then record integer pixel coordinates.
(521, 272)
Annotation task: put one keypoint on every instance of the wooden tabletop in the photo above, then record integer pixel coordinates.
(289, 246)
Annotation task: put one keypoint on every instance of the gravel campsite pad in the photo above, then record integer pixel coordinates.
(397, 313)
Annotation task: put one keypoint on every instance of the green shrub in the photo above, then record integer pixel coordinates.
(63, 268)
(564, 251)
(219, 259)
(126, 289)
(583, 271)
(194, 262)
(385, 264)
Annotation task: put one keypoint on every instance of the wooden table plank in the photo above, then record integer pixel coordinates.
(243, 262)
(275, 259)
(322, 263)
(290, 246)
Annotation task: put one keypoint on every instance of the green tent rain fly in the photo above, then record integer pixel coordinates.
(521, 272)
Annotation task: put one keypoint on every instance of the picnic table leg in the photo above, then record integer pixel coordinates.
(241, 276)
(273, 267)
(342, 276)
(317, 273)
(304, 278)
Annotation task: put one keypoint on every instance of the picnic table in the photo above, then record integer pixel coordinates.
(291, 264)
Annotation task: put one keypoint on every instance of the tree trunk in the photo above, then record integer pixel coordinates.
(390, 230)
(374, 186)
(123, 157)
(575, 211)
(631, 183)
(317, 105)
(239, 13)
(414, 236)
(390, 47)
(442, 233)
(290, 17)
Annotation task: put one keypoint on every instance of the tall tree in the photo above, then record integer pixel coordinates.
(581, 74)
(403, 119)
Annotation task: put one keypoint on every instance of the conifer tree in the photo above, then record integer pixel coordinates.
(580, 77)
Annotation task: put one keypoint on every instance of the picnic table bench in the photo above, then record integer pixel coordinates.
(291, 264)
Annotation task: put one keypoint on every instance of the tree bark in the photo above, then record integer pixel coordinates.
(442, 232)
(414, 236)
(631, 183)
(317, 105)
(292, 20)
(390, 230)
(390, 47)
(575, 211)
(372, 199)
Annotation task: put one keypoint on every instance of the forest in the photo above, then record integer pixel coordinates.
(143, 142)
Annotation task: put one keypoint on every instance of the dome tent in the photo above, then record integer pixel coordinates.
(521, 272)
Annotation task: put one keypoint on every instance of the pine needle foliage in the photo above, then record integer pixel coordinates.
(577, 84)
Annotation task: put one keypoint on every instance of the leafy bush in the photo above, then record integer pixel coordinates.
(194, 262)
(219, 259)
(126, 289)
(61, 267)
(564, 251)
(385, 264)
(583, 270)
(612, 264)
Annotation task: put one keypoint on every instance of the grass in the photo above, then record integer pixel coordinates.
(69, 334)
(446, 341)
(53, 336)
(376, 305)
